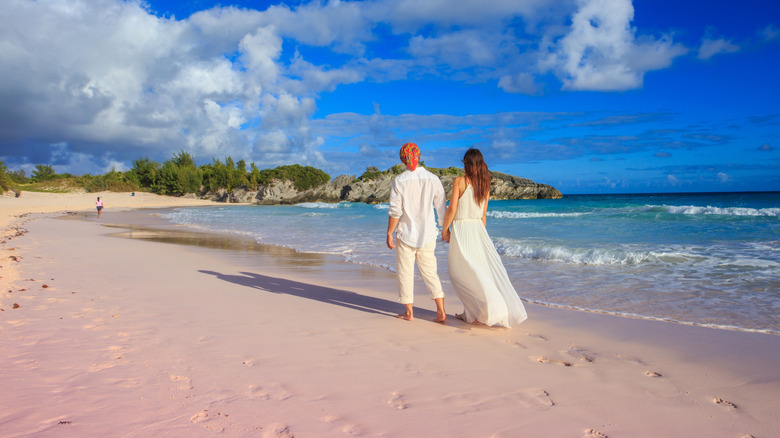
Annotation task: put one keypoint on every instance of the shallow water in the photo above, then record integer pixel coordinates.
(705, 259)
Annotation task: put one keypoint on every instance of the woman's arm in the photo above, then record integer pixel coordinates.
(453, 207)
(484, 211)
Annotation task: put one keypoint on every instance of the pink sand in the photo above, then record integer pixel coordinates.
(109, 336)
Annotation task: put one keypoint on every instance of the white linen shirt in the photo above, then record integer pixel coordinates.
(413, 198)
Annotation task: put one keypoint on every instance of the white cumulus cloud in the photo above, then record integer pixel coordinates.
(602, 52)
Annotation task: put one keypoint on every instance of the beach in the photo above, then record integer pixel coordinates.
(131, 326)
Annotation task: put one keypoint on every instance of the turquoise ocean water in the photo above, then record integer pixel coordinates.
(706, 259)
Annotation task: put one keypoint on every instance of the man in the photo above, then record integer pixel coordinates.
(413, 197)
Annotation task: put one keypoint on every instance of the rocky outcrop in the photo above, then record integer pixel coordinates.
(375, 189)
(505, 186)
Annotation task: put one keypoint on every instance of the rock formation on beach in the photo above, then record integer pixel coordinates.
(374, 187)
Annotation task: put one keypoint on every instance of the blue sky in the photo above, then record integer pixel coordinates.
(590, 96)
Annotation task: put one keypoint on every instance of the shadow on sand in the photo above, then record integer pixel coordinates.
(337, 297)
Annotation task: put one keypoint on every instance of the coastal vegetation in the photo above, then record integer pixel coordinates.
(180, 175)
(373, 173)
(5, 183)
(238, 181)
(176, 176)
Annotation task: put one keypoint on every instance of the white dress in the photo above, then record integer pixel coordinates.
(476, 271)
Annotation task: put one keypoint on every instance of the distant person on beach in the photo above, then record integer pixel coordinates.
(99, 205)
(413, 197)
(477, 273)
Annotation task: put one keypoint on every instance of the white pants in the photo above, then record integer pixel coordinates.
(405, 256)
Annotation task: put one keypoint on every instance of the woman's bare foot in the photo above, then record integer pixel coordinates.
(460, 316)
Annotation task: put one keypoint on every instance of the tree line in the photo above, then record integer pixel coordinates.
(176, 176)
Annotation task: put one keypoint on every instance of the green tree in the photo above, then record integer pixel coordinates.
(184, 159)
(215, 175)
(303, 177)
(144, 172)
(18, 176)
(240, 177)
(179, 176)
(112, 181)
(254, 176)
(5, 182)
(227, 175)
(43, 172)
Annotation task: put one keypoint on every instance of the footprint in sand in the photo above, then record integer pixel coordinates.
(397, 401)
(352, 429)
(126, 383)
(528, 398)
(200, 416)
(209, 421)
(95, 367)
(540, 396)
(116, 352)
(649, 373)
(249, 362)
(263, 393)
(593, 433)
(720, 401)
(348, 428)
(582, 354)
(277, 430)
(630, 359)
(182, 383)
(542, 359)
(540, 337)
(515, 344)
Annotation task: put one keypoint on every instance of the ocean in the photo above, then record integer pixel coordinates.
(710, 259)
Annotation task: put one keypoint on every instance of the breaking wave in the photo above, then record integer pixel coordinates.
(722, 211)
(522, 215)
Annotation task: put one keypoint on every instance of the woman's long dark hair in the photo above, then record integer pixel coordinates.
(477, 173)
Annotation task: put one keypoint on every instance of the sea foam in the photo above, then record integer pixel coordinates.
(522, 215)
(722, 211)
(561, 254)
(324, 205)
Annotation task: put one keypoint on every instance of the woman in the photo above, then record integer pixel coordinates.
(476, 271)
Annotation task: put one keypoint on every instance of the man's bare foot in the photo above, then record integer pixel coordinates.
(441, 314)
(408, 314)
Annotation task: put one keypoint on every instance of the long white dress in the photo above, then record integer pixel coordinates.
(476, 270)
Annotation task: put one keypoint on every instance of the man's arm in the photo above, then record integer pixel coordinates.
(392, 222)
(394, 213)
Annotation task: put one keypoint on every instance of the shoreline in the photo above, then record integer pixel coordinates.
(136, 337)
(156, 229)
(160, 226)
(703, 322)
